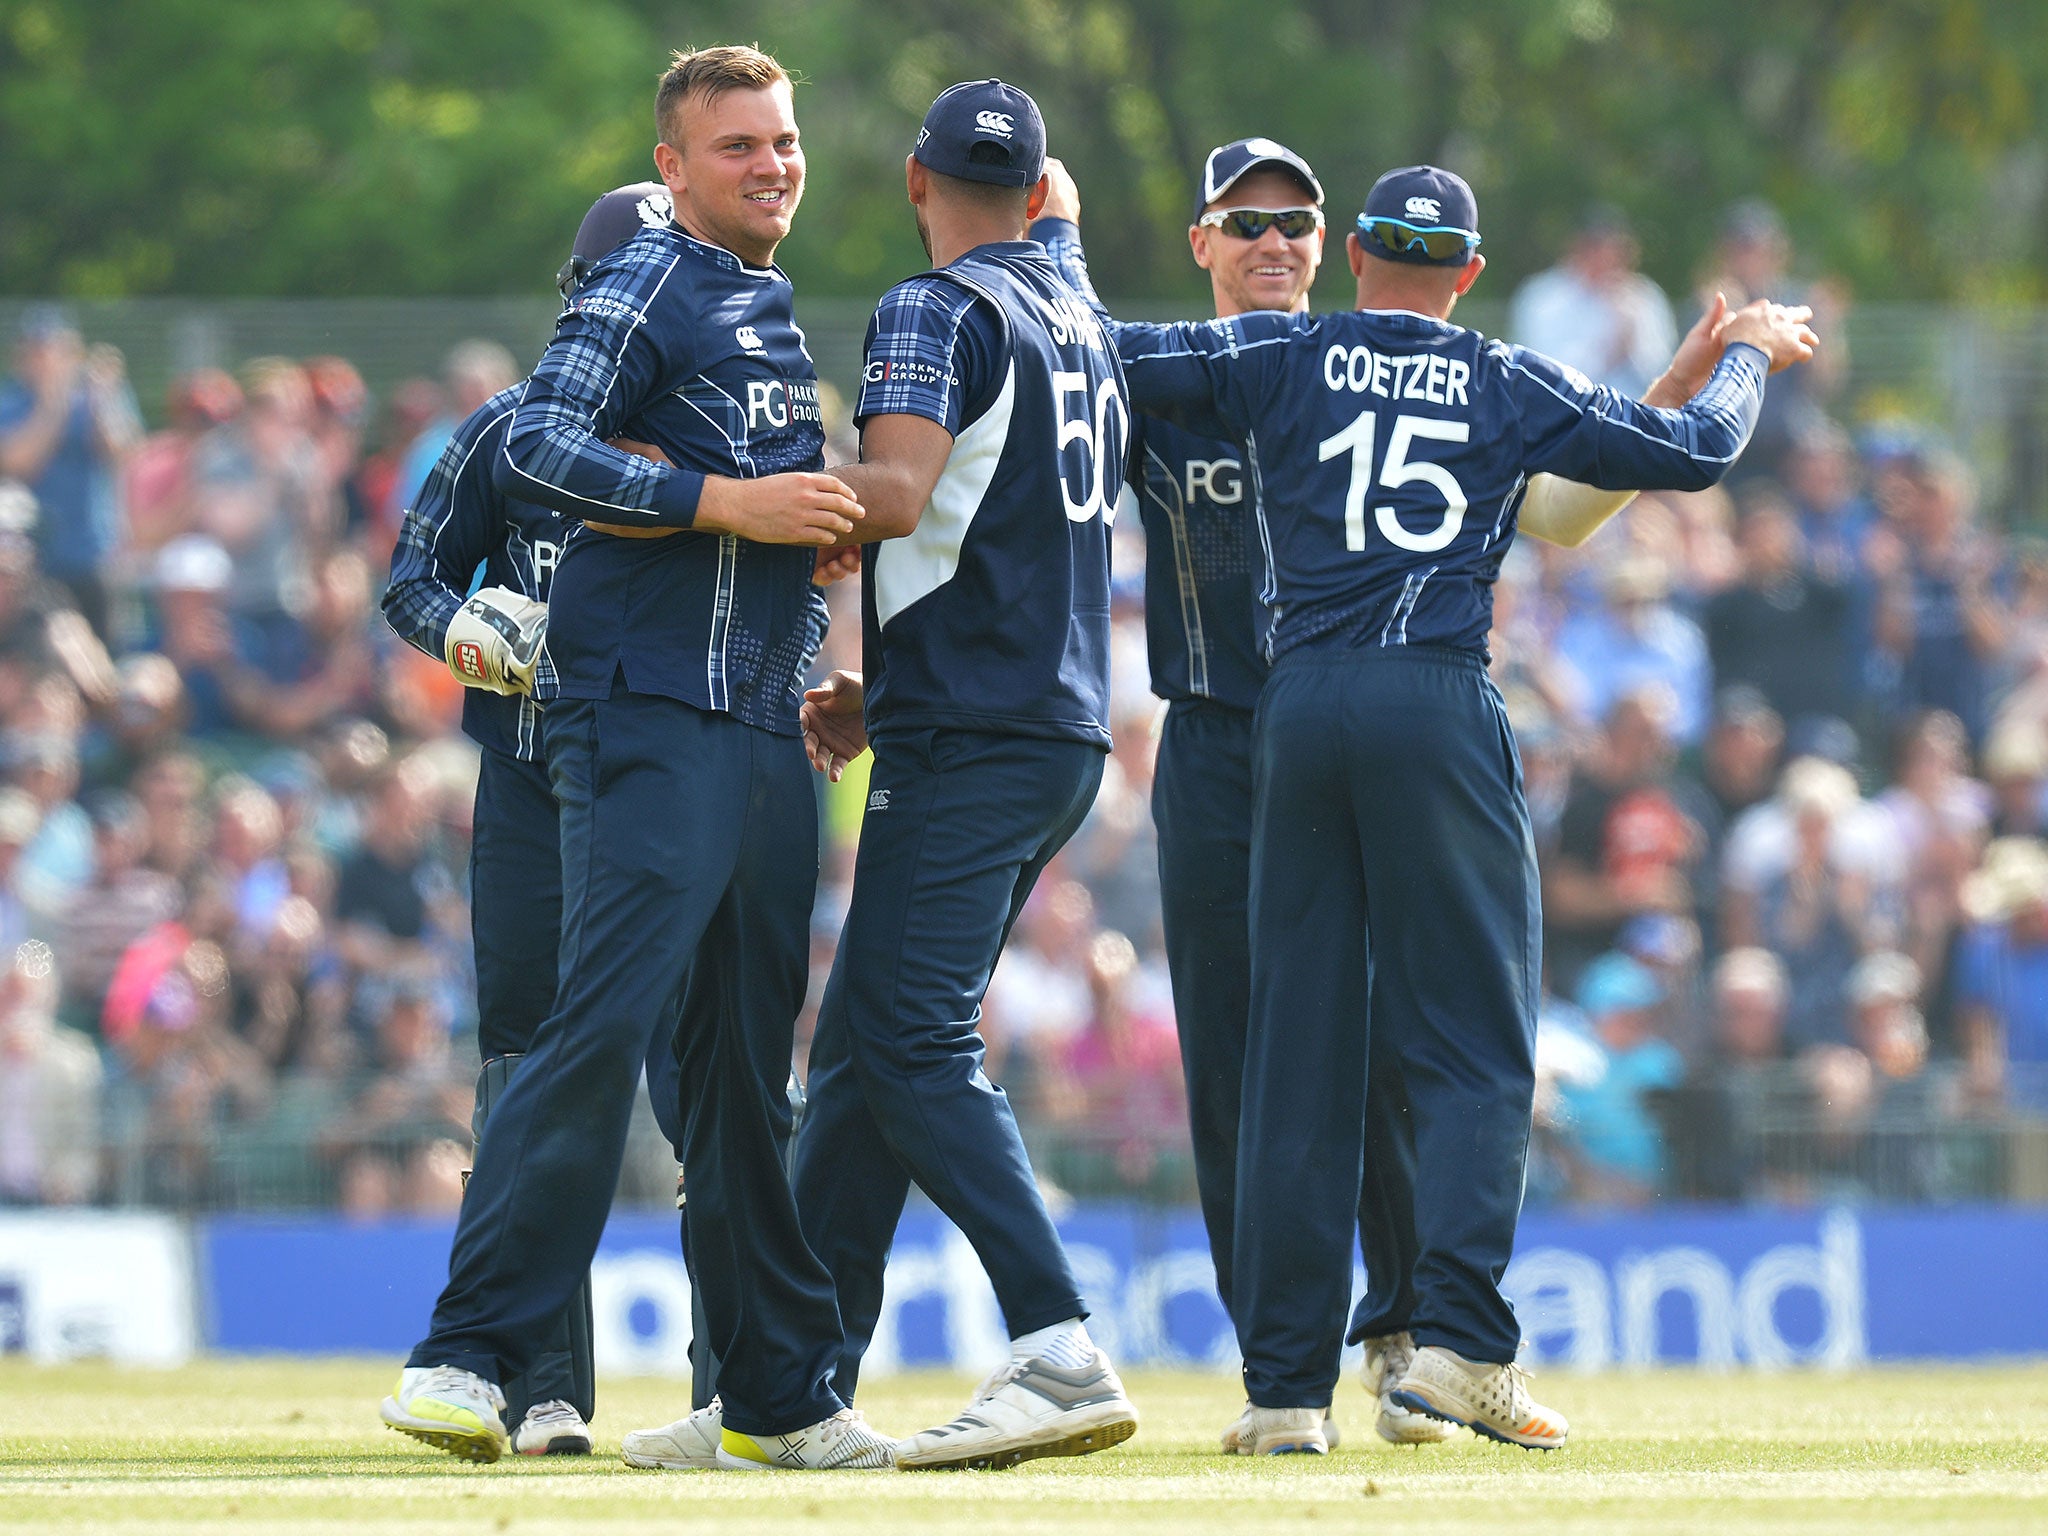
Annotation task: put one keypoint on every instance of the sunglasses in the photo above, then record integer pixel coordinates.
(1250, 223)
(1439, 242)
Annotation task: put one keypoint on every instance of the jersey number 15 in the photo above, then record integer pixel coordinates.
(1397, 470)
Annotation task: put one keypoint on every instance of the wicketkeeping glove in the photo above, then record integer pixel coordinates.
(494, 640)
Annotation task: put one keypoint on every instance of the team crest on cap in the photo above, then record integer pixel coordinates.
(995, 122)
(655, 210)
(1424, 208)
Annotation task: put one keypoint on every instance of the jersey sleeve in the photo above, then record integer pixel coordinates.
(1573, 428)
(931, 352)
(450, 528)
(604, 365)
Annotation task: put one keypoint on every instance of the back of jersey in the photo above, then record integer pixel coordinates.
(993, 614)
(1390, 451)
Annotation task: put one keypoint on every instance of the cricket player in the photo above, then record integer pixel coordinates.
(688, 827)
(1258, 232)
(1391, 844)
(993, 438)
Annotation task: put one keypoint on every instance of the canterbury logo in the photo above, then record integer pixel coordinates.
(878, 800)
(1424, 208)
(995, 122)
(748, 337)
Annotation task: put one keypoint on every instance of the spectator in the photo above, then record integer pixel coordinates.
(1040, 983)
(1623, 846)
(1738, 769)
(1122, 1091)
(20, 816)
(2016, 768)
(1718, 1117)
(1810, 910)
(169, 787)
(49, 1090)
(123, 900)
(1940, 819)
(1611, 1119)
(1943, 613)
(413, 406)
(407, 1113)
(2002, 976)
(160, 481)
(1637, 639)
(1835, 518)
(389, 890)
(263, 496)
(1595, 311)
(67, 422)
(1784, 629)
(473, 372)
(193, 575)
(58, 862)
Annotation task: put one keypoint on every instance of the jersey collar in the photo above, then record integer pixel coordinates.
(718, 255)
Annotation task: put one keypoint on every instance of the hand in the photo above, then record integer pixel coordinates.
(105, 369)
(798, 508)
(1779, 331)
(1062, 196)
(835, 565)
(494, 641)
(51, 366)
(835, 730)
(1693, 363)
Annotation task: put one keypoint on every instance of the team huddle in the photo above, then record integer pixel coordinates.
(622, 557)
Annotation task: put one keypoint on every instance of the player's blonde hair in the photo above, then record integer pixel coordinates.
(707, 74)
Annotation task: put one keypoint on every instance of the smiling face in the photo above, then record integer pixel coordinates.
(737, 172)
(1271, 272)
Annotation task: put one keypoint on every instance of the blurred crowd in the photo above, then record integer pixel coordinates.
(1785, 743)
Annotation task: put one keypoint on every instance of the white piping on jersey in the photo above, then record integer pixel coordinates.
(1268, 587)
(927, 557)
(1727, 418)
(1237, 349)
(1513, 499)
(639, 319)
(740, 449)
(1411, 592)
(721, 621)
(434, 547)
(1184, 575)
(740, 457)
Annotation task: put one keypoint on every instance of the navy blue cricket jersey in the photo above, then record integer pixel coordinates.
(994, 613)
(1389, 451)
(1203, 570)
(680, 344)
(460, 524)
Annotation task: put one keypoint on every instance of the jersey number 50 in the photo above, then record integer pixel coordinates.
(1101, 453)
(1398, 470)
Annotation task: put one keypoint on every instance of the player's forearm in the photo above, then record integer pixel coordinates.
(894, 495)
(553, 459)
(25, 452)
(1566, 513)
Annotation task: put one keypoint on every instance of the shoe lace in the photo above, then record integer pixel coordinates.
(453, 1378)
(998, 1379)
(553, 1411)
(847, 1421)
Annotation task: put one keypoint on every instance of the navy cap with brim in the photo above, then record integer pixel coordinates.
(1424, 198)
(619, 215)
(986, 131)
(1230, 163)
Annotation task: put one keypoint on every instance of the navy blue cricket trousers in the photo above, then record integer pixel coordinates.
(1202, 806)
(1392, 859)
(959, 826)
(688, 839)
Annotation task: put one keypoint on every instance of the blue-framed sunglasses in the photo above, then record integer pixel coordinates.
(1437, 242)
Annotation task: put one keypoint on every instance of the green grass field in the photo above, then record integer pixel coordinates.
(273, 1446)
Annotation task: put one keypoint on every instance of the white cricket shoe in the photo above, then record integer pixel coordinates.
(690, 1442)
(552, 1428)
(1387, 1359)
(1028, 1409)
(449, 1408)
(1491, 1400)
(842, 1443)
(1282, 1432)
(1241, 1437)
